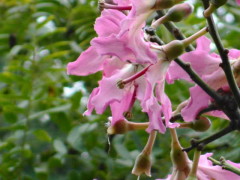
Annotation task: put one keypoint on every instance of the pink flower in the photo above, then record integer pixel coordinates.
(129, 43)
(206, 171)
(90, 61)
(206, 64)
(145, 84)
(238, 2)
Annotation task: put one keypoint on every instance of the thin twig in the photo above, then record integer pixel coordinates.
(201, 143)
(224, 56)
(225, 165)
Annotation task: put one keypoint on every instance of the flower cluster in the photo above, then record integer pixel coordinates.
(135, 69)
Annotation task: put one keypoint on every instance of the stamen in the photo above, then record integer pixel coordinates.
(128, 115)
(121, 83)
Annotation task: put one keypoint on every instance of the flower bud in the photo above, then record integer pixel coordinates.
(142, 165)
(120, 127)
(214, 4)
(176, 47)
(201, 124)
(179, 12)
(164, 4)
(173, 49)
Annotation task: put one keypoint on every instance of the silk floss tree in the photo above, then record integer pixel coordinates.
(135, 65)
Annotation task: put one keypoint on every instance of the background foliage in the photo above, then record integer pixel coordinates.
(43, 134)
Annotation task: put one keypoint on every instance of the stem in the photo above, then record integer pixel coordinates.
(158, 22)
(201, 143)
(209, 10)
(225, 165)
(137, 126)
(224, 56)
(175, 31)
(194, 76)
(196, 157)
(151, 139)
(195, 36)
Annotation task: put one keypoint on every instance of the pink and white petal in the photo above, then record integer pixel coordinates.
(109, 22)
(198, 101)
(88, 62)
(219, 114)
(202, 63)
(113, 46)
(154, 112)
(119, 108)
(166, 105)
(111, 65)
(133, 35)
(203, 44)
(90, 106)
(108, 90)
(234, 54)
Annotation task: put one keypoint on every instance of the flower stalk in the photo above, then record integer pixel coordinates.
(143, 161)
(193, 173)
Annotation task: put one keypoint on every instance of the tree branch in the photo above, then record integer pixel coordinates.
(201, 143)
(224, 56)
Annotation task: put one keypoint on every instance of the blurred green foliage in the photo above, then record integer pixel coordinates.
(43, 134)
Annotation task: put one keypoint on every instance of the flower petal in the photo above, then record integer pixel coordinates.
(88, 62)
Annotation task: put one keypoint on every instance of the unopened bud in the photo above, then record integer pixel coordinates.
(165, 4)
(175, 48)
(214, 4)
(120, 127)
(175, 14)
(179, 12)
(201, 124)
(142, 165)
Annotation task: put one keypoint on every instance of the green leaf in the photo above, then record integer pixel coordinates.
(59, 146)
(42, 135)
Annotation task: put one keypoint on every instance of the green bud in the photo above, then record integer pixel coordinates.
(179, 158)
(142, 165)
(165, 4)
(174, 49)
(177, 47)
(179, 12)
(202, 124)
